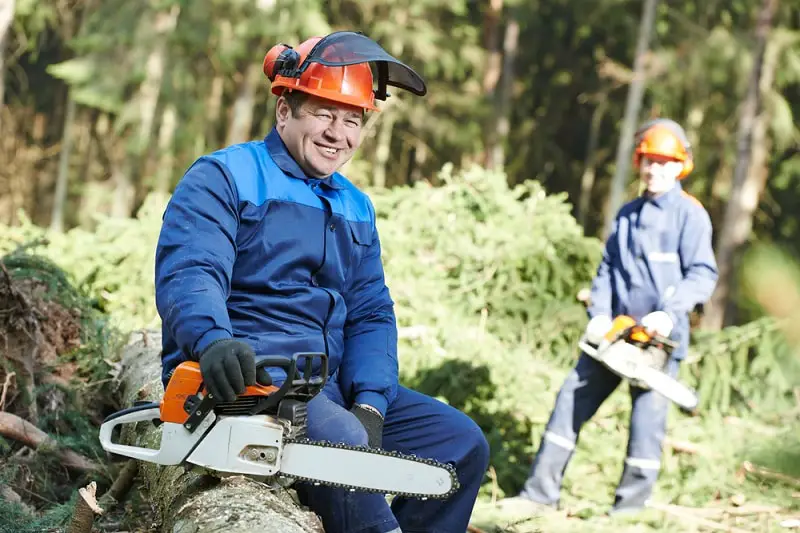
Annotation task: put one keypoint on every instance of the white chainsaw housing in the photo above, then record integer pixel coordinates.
(227, 447)
(256, 445)
(628, 362)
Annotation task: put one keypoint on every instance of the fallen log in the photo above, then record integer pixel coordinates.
(192, 500)
(21, 430)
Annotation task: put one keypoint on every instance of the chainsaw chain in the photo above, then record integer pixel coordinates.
(378, 451)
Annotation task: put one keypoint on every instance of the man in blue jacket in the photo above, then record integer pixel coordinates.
(266, 249)
(657, 266)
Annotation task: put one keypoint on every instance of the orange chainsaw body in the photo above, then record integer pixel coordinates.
(187, 381)
(624, 322)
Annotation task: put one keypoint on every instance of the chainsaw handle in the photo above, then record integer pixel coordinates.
(305, 386)
(182, 442)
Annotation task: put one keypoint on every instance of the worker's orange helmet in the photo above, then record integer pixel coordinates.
(337, 68)
(664, 138)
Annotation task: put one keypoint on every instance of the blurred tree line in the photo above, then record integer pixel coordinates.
(107, 101)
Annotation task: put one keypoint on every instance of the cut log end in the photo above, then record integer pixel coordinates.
(86, 508)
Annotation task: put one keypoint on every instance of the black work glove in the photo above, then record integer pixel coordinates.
(372, 422)
(228, 366)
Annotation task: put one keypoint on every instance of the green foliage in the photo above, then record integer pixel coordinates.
(114, 264)
(16, 519)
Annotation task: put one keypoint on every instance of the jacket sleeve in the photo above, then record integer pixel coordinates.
(194, 258)
(699, 266)
(369, 369)
(601, 296)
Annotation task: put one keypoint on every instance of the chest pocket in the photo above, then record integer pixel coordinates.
(361, 238)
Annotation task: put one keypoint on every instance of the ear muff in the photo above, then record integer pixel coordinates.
(282, 60)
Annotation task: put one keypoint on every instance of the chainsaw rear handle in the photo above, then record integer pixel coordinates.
(296, 386)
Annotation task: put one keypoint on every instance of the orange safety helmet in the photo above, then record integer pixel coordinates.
(666, 138)
(336, 67)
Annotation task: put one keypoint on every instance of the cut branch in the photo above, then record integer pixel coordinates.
(121, 485)
(21, 430)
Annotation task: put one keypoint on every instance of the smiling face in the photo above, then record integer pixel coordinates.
(321, 135)
(658, 173)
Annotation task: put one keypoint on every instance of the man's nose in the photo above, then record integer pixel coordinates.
(335, 130)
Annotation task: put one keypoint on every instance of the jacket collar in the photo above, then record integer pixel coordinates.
(280, 154)
(665, 199)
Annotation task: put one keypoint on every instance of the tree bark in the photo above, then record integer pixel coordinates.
(748, 181)
(86, 509)
(632, 106)
(191, 500)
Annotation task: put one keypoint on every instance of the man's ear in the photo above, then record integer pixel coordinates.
(282, 111)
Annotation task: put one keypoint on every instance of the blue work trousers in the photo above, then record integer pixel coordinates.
(584, 390)
(415, 424)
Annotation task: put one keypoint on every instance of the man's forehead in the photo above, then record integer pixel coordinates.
(319, 104)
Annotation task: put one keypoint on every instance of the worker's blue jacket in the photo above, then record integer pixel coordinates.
(658, 257)
(252, 248)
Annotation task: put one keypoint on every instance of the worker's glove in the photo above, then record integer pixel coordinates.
(227, 367)
(597, 328)
(658, 322)
(372, 421)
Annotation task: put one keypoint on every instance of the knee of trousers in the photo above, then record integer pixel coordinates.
(343, 428)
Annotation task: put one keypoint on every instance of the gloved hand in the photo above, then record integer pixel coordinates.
(658, 322)
(597, 328)
(372, 421)
(227, 366)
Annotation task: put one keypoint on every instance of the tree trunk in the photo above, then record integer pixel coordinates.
(494, 68)
(491, 41)
(213, 111)
(748, 181)
(191, 501)
(166, 150)
(62, 179)
(632, 106)
(6, 18)
(384, 147)
(496, 153)
(590, 165)
(242, 113)
(147, 99)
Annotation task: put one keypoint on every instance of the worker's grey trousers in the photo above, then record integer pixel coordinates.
(584, 390)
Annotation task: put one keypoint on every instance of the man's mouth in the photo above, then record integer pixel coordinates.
(329, 150)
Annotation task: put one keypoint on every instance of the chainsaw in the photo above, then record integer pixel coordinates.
(263, 434)
(639, 357)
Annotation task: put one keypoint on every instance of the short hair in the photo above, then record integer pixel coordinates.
(295, 99)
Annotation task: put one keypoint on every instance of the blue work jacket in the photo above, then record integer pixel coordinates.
(252, 248)
(658, 257)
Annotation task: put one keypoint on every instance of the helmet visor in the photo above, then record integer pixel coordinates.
(350, 48)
